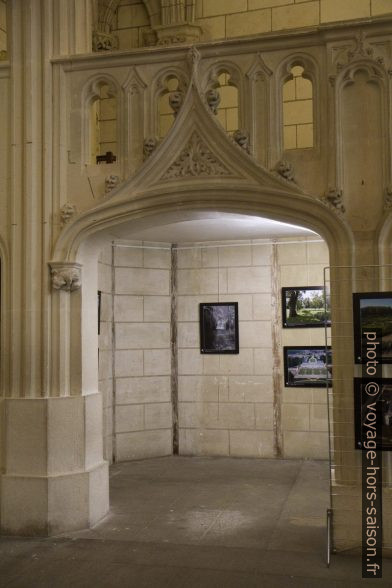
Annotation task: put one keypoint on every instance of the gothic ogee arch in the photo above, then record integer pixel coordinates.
(198, 166)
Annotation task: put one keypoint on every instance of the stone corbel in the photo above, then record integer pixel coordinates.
(66, 275)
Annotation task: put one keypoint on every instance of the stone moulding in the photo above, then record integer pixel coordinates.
(66, 275)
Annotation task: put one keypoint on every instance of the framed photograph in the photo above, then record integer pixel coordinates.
(307, 367)
(219, 327)
(385, 399)
(304, 307)
(373, 310)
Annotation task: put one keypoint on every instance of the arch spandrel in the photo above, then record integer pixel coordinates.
(197, 165)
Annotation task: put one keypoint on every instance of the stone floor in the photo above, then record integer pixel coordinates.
(196, 523)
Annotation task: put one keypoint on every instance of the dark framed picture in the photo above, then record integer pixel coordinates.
(306, 367)
(219, 327)
(304, 307)
(373, 310)
(362, 399)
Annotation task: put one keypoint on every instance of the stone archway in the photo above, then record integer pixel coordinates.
(197, 167)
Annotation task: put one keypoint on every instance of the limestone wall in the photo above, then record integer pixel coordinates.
(227, 404)
(143, 414)
(227, 19)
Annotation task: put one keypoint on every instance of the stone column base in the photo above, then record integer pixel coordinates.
(54, 476)
(51, 505)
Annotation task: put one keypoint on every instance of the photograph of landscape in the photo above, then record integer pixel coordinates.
(373, 310)
(304, 307)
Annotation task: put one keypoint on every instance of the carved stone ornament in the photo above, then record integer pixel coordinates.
(175, 34)
(333, 198)
(286, 170)
(362, 51)
(104, 41)
(388, 198)
(149, 147)
(241, 137)
(175, 100)
(194, 58)
(65, 275)
(196, 160)
(66, 212)
(213, 98)
(111, 182)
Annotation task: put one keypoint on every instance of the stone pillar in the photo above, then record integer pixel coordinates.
(73, 23)
(53, 476)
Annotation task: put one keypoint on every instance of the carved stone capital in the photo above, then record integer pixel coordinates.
(66, 275)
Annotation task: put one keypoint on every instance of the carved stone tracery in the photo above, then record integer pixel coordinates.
(196, 159)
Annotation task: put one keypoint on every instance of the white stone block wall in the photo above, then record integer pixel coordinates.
(227, 404)
(142, 360)
(226, 401)
(105, 360)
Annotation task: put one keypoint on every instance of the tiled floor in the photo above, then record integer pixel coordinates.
(195, 523)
